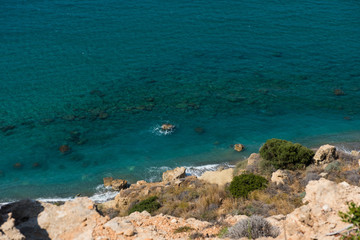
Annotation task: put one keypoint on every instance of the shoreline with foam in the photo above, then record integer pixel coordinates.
(104, 194)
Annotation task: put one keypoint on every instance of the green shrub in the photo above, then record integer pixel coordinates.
(353, 217)
(283, 154)
(150, 205)
(242, 185)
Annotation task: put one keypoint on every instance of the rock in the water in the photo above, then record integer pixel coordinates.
(7, 128)
(280, 177)
(339, 92)
(118, 184)
(103, 115)
(167, 127)
(174, 174)
(325, 154)
(64, 149)
(107, 181)
(36, 165)
(239, 147)
(199, 130)
(17, 165)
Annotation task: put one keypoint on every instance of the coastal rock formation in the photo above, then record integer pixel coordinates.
(280, 177)
(325, 154)
(107, 181)
(174, 174)
(118, 184)
(8, 231)
(319, 217)
(221, 177)
(239, 147)
(75, 219)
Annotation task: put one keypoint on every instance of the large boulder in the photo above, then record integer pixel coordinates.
(239, 147)
(174, 174)
(221, 177)
(325, 154)
(280, 177)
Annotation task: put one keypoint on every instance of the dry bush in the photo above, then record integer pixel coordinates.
(252, 228)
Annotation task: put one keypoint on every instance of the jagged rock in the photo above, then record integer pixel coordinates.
(74, 220)
(280, 177)
(325, 154)
(107, 181)
(324, 199)
(218, 177)
(174, 174)
(239, 147)
(8, 230)
(118, 184)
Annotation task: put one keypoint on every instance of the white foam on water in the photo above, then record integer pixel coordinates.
(157, 130)
(199, 170)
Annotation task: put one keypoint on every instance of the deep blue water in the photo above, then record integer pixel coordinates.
(244, 71)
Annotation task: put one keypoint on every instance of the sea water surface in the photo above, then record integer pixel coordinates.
(102, 76)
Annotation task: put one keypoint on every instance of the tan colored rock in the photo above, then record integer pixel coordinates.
(254, 159)
(325, 154)
(167, 127)
(355, 153)
(280, 177)
(174, 174)
(324, 199)
(129, 232)
(218, 177)
(107, 181)
(239, 147)
(118, 184)
(8, 231)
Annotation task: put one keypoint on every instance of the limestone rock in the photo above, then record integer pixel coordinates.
(355, 153)
(325, 154)
(280, 177)
(239, 147)
(107, 181)
(218, 177)
(253, 159)
(174, 174)
(324, 199)
(118, 184)
(74, 220)
(8, 230)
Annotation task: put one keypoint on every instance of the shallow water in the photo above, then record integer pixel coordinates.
(242, 71)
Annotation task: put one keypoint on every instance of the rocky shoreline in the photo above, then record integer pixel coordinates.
(185, 202)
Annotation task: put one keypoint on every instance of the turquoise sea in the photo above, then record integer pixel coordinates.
(102, 76)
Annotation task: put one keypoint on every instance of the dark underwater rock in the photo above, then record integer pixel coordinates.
(64, 149)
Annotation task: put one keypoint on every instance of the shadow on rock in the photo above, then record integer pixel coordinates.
(25, 214)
